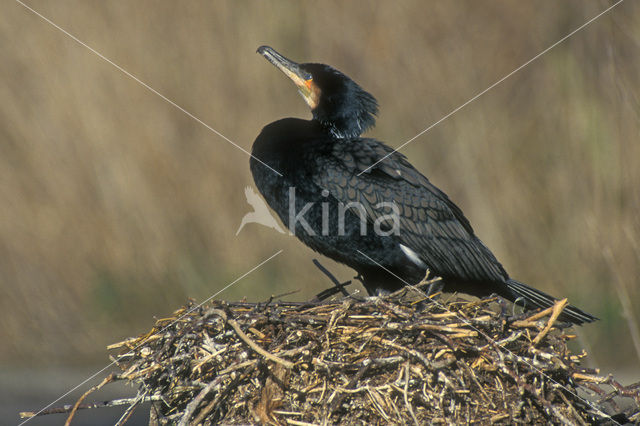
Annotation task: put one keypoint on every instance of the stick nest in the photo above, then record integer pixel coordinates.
(383, 360)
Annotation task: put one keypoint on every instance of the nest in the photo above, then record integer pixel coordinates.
(391, 359)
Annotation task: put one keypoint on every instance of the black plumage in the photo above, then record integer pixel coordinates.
(360, 203)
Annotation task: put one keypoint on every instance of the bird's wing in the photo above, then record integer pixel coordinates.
(430, 223)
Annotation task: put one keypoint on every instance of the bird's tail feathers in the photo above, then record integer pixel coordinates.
(533, 298)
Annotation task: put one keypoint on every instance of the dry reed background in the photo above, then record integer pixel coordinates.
(117, 207)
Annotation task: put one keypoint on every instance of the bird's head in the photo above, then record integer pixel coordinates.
(342, 107)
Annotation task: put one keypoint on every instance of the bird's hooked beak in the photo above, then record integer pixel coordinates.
(303, 80)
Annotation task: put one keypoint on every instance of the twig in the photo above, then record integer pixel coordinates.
(106, 380)
(253, 345)
(539, 315)
(191, 407)
(297, 423)
(102, 404)
(353, 382)
(129, 411)
(405, 392)
(557, 309)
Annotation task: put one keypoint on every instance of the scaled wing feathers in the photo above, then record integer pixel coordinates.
(430, 224)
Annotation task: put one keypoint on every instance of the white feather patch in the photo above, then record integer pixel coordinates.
(413, 256)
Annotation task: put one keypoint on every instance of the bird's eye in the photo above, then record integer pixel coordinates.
(308, 76)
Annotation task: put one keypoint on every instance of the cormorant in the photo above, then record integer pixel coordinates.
(358, 202)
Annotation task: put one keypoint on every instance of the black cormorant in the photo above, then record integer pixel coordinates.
(358, 202)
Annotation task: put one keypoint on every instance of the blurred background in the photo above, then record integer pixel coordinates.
(116, 207)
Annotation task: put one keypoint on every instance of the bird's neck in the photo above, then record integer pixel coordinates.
(349, 123)
(285, 137)
(337, 131)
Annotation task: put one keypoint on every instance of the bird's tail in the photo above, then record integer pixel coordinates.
(533, 298)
